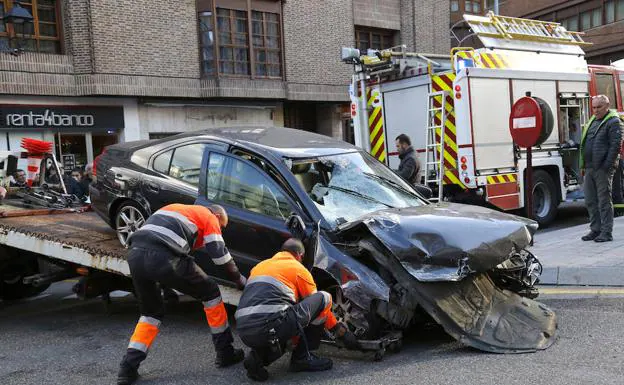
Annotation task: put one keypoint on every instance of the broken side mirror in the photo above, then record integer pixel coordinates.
(296, 226)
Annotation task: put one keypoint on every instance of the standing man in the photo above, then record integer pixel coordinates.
(159, 254)
(280, 302)
(409, 167)
(600, 149)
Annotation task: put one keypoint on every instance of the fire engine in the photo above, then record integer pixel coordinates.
(463, 101)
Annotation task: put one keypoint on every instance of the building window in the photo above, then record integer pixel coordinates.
(233, 42)
(606, 86)
(610, 11)
(619, 12)
(473, 6)
(240, 38)
(454, 5)
(44, 34)
(366, 38)
(206, 37)
(266, 44)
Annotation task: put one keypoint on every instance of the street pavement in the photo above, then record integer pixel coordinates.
(567, 260)
(55, 339)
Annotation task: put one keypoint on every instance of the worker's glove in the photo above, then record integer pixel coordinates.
(241, 282)
(344, 335)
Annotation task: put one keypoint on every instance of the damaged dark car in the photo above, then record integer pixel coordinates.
(390, 258)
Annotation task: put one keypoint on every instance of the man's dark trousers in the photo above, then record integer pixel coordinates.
(597, 187)
(287, 325)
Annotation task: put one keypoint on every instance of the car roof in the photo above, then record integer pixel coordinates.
(281, 141)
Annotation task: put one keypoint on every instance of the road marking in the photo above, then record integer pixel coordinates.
(582, 290)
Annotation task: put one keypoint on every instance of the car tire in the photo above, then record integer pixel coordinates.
(129, 217)
(545, 199)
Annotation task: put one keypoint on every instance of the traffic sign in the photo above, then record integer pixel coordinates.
(525, 122)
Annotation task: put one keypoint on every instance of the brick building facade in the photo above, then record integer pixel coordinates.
(175, 66)
(602, 21)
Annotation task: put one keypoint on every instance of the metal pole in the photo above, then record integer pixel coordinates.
(529, 183)
(366, 145)
(496, 7)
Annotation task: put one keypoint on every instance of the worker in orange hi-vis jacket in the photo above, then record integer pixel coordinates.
(159, 255)
(280, 301)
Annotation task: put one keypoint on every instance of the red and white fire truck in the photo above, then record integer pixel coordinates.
(464, 101)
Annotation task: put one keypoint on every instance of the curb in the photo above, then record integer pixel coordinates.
(583, 276)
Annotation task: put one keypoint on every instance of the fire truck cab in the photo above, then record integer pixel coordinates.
(456, 111)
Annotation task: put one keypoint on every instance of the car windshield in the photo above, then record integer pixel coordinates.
(347, 186)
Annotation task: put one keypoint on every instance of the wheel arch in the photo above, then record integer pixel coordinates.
(117, 203)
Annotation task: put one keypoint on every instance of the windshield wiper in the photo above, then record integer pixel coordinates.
(357, 194)
(390, 182)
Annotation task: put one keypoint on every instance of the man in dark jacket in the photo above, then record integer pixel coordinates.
(409, 166)
(600, 149)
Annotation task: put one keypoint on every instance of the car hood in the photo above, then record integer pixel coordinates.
(446, 242)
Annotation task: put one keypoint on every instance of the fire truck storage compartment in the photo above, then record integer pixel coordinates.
(491, 106)
(545, 90)
(573, 114)
(405, 112)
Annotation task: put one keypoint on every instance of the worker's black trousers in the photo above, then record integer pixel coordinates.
(151, 267)
(289, 323)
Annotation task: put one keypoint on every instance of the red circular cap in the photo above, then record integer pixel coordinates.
(525, 122)
(463, 159)
(458, 88)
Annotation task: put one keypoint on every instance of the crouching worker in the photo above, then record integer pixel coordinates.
(280, 302)
(159, 254)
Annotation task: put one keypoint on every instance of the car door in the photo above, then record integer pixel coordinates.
(174, 174)
(257, 208)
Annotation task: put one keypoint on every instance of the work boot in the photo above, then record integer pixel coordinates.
(604, 237)
(255, 368)
(590, 236)
(127, 375)
(313, 363)
(229, 357)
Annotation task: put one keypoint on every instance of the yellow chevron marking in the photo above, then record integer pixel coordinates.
(490, 180)
(448, 141)
(501, 179)
(488, 59)
(382, 157)
(513, 177)
(441, 83)
(376, 129)
(450, 159)
(454, 179)
(498, 61)
(373, 115)
(372, 98)
(377, 146)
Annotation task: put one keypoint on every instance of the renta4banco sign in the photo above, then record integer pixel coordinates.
(89, 117)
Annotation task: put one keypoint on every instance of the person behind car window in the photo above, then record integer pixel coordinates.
(159, 254)
(280, 302)
(51, 175)
(409, 167)
(19, 179)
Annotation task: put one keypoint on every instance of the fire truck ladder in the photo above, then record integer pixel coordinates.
(505, 27)
(434, 151)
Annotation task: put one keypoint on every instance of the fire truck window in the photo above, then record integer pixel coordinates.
(622, 92)
(606, 86)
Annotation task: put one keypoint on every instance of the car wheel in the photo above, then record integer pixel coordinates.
(363, 324)
(545, 199)
(128, 219)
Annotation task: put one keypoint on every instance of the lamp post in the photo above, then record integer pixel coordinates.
(19, 18)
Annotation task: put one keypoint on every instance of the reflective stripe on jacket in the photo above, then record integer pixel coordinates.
(182, 228)
(603, 150)
(273, 286)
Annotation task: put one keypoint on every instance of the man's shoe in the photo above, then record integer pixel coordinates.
(604, 237)
(590, 236)
(127, 375)
(229, 357)
(313, 363)
(255, 369)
